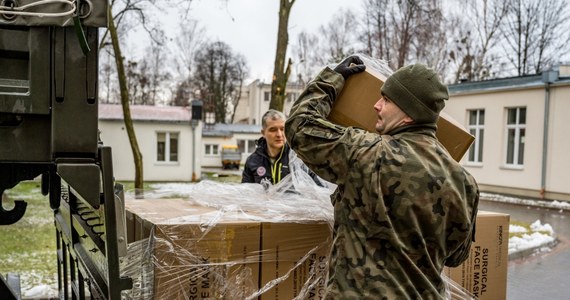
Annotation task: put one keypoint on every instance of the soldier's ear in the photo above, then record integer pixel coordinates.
(408, 120)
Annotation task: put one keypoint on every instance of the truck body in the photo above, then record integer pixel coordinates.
(231, 157)
(49, 129)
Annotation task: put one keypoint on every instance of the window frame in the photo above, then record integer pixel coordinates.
(479, 129)
(167, 147)
(247, 144)
(517, 139)
(208, 150)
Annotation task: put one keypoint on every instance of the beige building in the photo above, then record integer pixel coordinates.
(522, 138)
(255, 98)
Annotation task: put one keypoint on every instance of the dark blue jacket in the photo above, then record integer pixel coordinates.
(258, 165)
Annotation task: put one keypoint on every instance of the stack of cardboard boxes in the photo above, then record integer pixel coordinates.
(203, 253)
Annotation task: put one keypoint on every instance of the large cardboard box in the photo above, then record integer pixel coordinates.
(484, 273)
(297, 253)
(217, 254)
(354, 107)
(198, 252)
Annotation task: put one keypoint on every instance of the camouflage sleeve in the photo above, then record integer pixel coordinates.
(462, 252)
(326, 148)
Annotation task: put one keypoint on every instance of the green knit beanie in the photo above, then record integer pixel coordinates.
(417, 90)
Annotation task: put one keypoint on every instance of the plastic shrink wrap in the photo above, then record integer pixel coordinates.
(234, 241)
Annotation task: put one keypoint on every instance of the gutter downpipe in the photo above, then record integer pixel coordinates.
(194, 124)
(547, 77)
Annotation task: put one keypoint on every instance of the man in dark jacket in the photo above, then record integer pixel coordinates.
(270, 160)
(269, 163)
(403, 207)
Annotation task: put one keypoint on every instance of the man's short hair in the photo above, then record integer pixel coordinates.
(273, 115)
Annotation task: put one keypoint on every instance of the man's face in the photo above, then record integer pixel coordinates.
(274, 133)
(389, 115)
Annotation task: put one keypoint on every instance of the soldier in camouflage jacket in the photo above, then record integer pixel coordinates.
(403, 208)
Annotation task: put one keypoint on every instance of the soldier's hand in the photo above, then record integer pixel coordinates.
(350, 65)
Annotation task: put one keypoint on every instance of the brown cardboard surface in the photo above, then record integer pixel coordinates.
(297, 251)
(130, 226)
(198, 253)
(354, 107)
(484, 273)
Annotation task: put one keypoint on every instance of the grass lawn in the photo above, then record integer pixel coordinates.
(28, 247)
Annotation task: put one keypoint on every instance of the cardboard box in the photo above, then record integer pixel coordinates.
(198, 252)
(354, 107)
(484, 273)
(299, 251)
(223, 255)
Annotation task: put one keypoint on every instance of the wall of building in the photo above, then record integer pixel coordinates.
(558, 163)
(493, 174)
(215, 161)
(114, 134)
(253, 104)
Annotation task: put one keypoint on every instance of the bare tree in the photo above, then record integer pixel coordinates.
(280, 71)
(125, 14)
(307, 54)
(520, 32)
(335, 40)
(137, 155)
(553, 36)
(107, 91)
(219, 79)
(190, 39)
(339, 36)
(536, 34)
(398, 32)
(477, 38)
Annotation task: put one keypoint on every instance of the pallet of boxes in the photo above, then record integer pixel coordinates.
(230, 251)
(484, 274)
(255, 246)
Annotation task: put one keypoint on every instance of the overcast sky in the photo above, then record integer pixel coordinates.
(250, 26)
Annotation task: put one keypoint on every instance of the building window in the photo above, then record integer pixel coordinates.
(211, 149)
(167, 146)
(476, 128)
(210, 118)
(516, 129)
(267, 96)
(246, 146)
(291, 97)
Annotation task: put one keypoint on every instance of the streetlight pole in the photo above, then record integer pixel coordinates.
(196, 117)
(194, 124)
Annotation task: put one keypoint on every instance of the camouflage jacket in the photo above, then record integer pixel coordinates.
(403, 207)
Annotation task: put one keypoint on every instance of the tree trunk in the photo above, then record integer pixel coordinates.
(125, 103)
(280, 72)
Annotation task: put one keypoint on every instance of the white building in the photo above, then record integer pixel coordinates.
(171, 148)
(165, 137)
(217, 135)
(521, 133)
